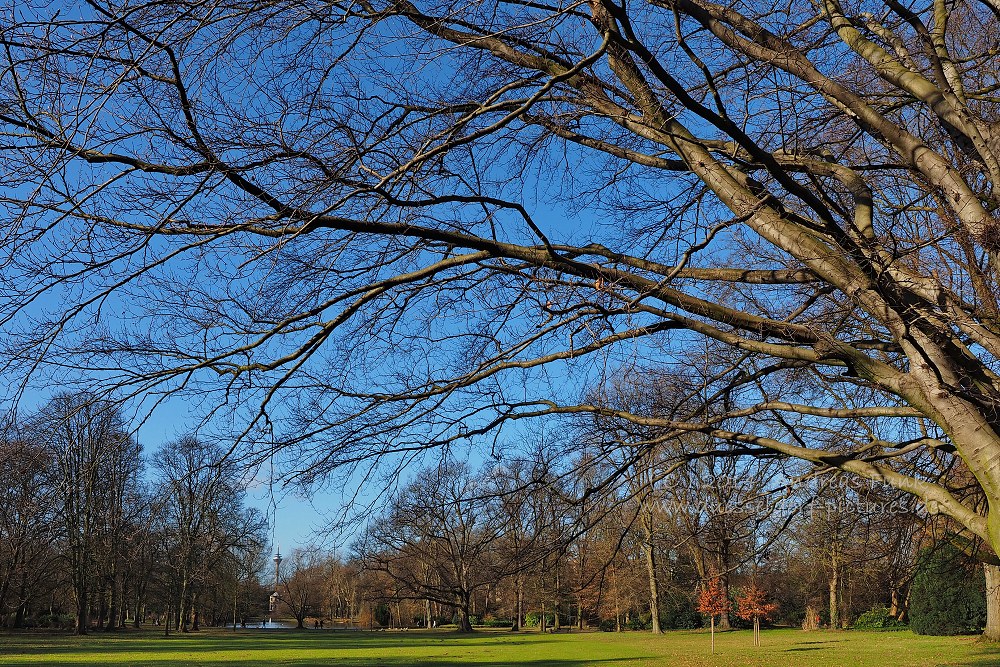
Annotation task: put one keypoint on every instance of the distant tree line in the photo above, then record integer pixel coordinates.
(512, 545)
(95, 534)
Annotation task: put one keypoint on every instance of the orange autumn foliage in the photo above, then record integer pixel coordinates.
(711, 600)
(753, 604)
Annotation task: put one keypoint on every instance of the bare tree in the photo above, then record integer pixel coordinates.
(27, 523)
(360, 241)
(301, 589)
(205, 523)
(97, 464)
(532, 519)
(440, 540)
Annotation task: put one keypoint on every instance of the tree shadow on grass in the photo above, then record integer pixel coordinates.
(988, 655)
(253, 641)
(245, 649)
(354, 661)
(410, 662)
(811, 645)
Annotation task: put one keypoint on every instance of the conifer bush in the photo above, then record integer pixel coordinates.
(948, 594)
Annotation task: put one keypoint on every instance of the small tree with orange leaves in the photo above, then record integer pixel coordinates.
(712, 602)
(753, 605)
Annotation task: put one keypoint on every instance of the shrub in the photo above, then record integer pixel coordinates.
(56, 621)
(681, 615)
(641, 622)
(608, 625)
(532, 618)
(878, 618)
(948, 594)
(383, 616)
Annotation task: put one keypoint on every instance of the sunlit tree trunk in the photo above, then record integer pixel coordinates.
(992, 630)
(519, 611)
(724, 623)
(464, 622)
(651, 570)
(834, 587)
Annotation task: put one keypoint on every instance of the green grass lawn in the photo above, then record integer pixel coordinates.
(781, 648)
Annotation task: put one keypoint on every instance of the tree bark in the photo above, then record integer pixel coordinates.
(894, 603)
(519, 612)
(82, 612)
(102, 608)
(654, 584)
(992, 630)
(113, 609)
(556, 605)
(724, 623)
(464, 623)
(834, 597)
(617, 594)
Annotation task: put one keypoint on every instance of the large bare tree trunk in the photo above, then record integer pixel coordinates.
(82, 611)
(556, 606)
(834, 597)
(102, 608)
(617, 594)
(654, 589)
(992, 630)
(20, 613)
(724, 623)
(519, 612)
(654, 584)
(464, 622)
(113, 608)
(895, 608)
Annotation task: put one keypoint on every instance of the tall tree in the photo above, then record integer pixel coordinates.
(27, 522)
(97, 464)
(301, 587)
(442, 524)
(524, 501)
(422, 236)
(205, 522)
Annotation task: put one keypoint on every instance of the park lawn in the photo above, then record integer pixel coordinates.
(781, 648)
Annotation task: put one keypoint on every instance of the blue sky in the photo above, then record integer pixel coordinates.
(560, 191)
